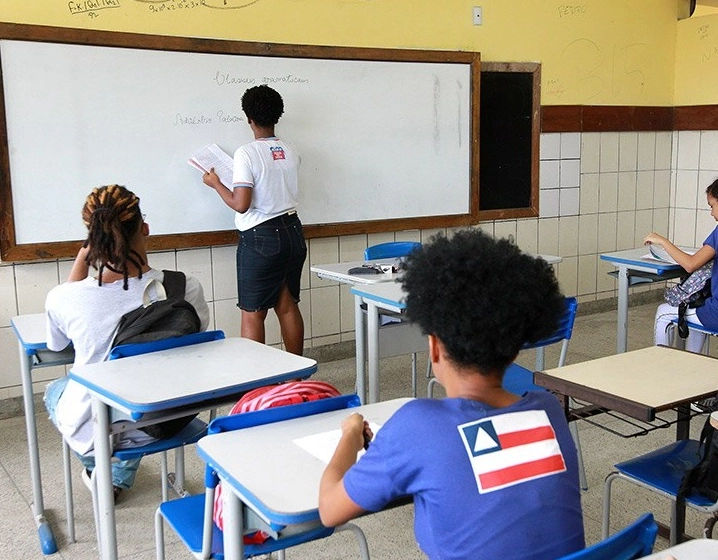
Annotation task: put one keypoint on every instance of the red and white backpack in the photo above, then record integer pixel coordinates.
(270, 396)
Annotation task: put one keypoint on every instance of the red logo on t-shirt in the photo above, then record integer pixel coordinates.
(277, 152)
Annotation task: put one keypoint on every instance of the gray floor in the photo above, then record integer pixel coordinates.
(390, 534)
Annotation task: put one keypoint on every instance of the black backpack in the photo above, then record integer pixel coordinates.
(161, 319)
(703, 478)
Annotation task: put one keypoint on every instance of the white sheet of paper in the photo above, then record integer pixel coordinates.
(322, 445)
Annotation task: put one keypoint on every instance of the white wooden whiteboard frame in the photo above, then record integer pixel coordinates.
(11, 250)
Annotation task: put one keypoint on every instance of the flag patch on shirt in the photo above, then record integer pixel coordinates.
(512, 448)
(277, 152)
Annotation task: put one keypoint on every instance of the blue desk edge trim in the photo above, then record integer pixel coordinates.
(139, 410)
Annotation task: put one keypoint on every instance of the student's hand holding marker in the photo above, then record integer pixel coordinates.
(357, 430)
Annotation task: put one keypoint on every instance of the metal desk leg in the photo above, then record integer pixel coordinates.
(622, 328)
(372, 319)
(103, 476)
(44, 531)
(360, 328)
(233, 526)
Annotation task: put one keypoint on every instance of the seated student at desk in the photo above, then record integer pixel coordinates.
(707, 314)
(87, 310)
(492, 474)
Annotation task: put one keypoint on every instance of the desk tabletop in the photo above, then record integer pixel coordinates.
(694, 549)
(270, 472)
(339, 272)
(637, 383)
(30, 330)
(190, 374)
(639, 259)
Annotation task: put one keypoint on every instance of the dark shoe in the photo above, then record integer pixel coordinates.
(87, 480)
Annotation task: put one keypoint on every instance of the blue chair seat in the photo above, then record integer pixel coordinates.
(191, 433)
(664, 469)
(186, 517)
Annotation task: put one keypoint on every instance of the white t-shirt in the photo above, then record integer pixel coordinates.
(270, 167)
(88, 314)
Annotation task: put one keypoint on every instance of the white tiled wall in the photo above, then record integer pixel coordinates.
(599, 192)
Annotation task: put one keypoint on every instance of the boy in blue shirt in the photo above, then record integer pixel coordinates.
(492, 474)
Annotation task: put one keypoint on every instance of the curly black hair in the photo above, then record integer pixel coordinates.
(263, 105)
(482, 297)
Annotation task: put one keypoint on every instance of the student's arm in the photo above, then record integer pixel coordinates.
(80, 269)
(238, 199)
(335, 505)
(687, 262)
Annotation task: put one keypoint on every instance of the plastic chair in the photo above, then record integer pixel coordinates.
(661, 471)
(191, 517)
(635, 541)
(692, 327)
(393, 250)
(191, 433)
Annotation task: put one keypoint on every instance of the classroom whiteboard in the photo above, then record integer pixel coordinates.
(380, 140)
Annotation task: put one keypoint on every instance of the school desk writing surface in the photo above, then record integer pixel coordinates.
(394, 127)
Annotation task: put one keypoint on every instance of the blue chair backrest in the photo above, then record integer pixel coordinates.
(271, 415)
(565, 327)
(635, 541)
(390, 250)
(280, 413)
(126, 350)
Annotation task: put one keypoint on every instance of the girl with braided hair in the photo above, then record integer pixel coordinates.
(86, 310)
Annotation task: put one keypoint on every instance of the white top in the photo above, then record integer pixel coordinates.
(269, 166)
(88, 314)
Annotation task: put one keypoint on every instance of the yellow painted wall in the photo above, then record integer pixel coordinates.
(594, 52)
(697, 61)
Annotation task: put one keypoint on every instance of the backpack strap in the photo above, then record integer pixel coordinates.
(175, 283)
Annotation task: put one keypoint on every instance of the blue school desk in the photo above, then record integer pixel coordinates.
(259, 466)
(632, 267)
(405, 340)
(367, 290)
(30, 332)
(388, 297)
(170, 383)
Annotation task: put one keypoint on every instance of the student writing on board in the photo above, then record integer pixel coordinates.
(271, 250)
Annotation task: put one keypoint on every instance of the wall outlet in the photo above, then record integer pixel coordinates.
(477, 15)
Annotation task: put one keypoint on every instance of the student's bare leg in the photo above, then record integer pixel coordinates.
(253, 325)
(291, 322)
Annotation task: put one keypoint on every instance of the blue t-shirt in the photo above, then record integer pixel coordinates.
(708, 312)
(487, 483)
